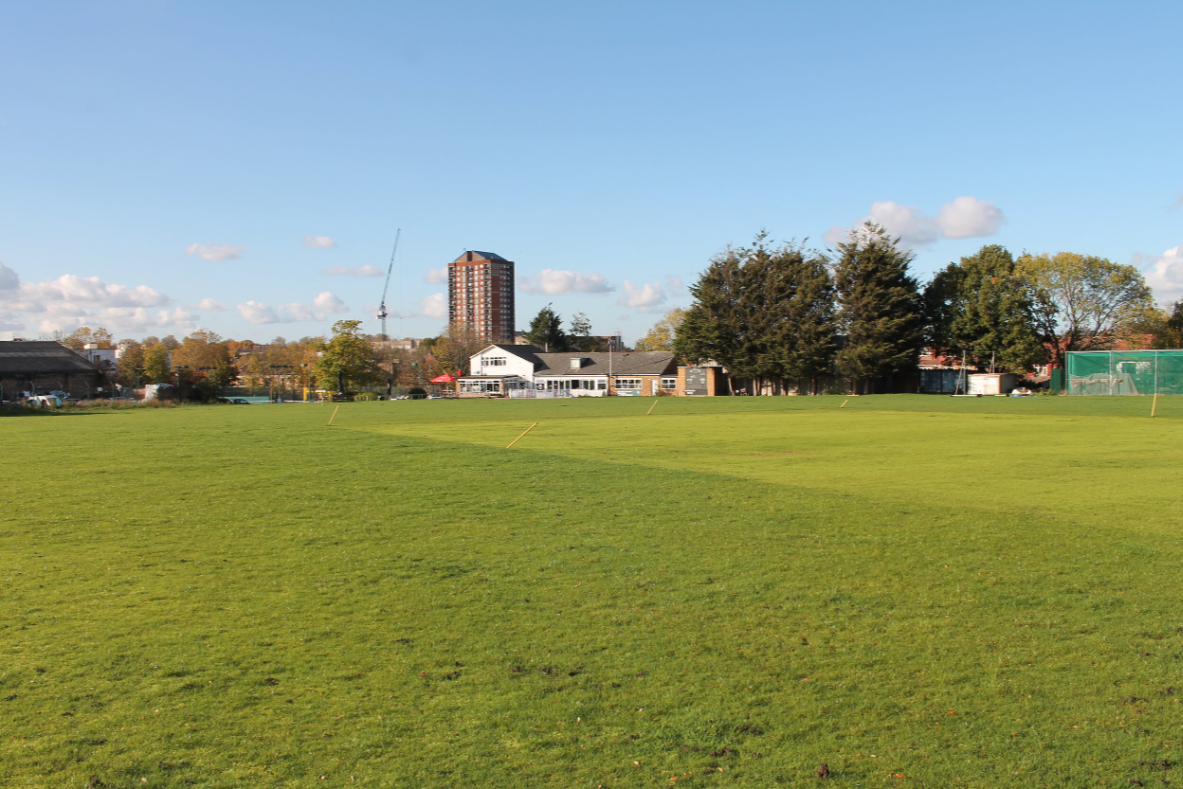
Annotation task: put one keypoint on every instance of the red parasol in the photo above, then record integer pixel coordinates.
(446, 378)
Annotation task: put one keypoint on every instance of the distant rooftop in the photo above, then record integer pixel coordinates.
(472, 255)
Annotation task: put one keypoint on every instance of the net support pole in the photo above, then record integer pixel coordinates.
(1154, 405)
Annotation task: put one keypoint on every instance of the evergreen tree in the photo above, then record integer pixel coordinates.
(714, 326)
(879, 306)
(763, 312)
(942, 301)
(1174, 333)
(800, 303)
(546, 331)
(994, 320)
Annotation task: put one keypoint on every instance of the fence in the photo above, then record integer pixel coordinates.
(1124, 372)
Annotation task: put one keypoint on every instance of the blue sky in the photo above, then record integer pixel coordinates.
(166, 166)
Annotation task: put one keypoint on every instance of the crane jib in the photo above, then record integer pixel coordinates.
(382, 314)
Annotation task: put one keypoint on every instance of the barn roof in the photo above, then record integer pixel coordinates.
(20, 358)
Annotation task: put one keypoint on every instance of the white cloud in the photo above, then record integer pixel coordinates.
(321, 307)
(319, 242)
(92, 291)
(215, 251)
(965, 217)
(436, 276)
(70, 301)
(329, 303)
(209, 305)
(257, 312)
(1167, 276)
(643, 298)
(550, 282)
(434, 306)
(364, 271)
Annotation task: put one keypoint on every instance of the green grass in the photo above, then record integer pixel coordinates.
(727, 592)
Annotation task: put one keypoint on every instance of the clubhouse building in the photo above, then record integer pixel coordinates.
(525, 371)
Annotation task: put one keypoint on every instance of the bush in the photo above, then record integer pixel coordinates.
(416, 390)
(364, 396)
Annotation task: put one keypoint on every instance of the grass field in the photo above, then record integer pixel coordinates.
(915, 591)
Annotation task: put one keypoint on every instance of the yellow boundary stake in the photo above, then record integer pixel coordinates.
(519, 438)
(334, 416)
(844, 402)
(1154, 406)
(650, 411)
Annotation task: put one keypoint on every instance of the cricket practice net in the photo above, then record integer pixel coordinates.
(1124, 372)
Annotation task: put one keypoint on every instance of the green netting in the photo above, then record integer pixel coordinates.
(1124, 372)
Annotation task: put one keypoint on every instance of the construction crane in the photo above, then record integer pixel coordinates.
(382, 313)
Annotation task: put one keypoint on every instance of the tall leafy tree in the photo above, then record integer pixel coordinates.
(1083, 302)
(879, 306)
(546, 331)
(579, 338)
(84, 335)
(347, 358)
(985, 308)
(207, 356)
(661, 336)
(452, 349)
(129, 368)
(581, 325)
(156, 364)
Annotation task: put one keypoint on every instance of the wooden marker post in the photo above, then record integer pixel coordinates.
(844, 402)
(519, 438)
(334, 416)
(650, 411)
(1154, 406)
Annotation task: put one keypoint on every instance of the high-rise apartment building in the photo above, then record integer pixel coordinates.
(480, 295)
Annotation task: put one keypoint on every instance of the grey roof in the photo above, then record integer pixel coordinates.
(527, 352)
(22, 358)
(623, 363)
(486, 255)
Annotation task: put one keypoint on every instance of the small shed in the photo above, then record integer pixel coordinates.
(992, 383)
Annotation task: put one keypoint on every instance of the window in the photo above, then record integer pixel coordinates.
(628, 383)
(669, 383)
(480, 387)
(603, 384)
(494, 361)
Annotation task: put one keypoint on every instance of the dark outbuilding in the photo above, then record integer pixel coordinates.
(39, 367)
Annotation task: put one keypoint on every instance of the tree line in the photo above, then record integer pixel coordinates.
(346, 360)
(782, 312)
